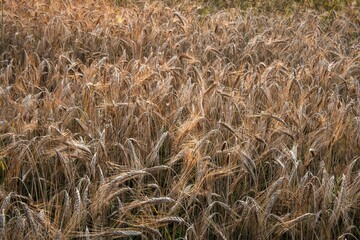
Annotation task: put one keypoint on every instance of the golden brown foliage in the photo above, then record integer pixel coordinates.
(152, 122)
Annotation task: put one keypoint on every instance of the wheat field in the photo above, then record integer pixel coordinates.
(152, 121)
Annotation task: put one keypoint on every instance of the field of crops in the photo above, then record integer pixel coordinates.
(153, 121)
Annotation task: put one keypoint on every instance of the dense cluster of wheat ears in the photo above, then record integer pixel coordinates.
(156, 122)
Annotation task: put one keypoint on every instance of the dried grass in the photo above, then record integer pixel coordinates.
(154, 121)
